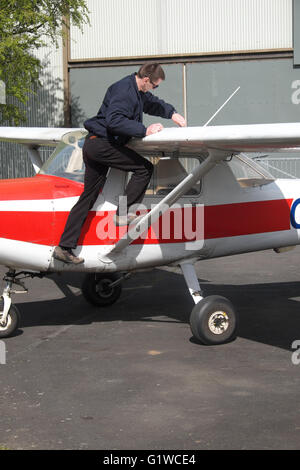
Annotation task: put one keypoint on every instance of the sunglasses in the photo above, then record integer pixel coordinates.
(153, 85)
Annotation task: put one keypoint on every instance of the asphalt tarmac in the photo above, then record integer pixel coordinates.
(131, 376)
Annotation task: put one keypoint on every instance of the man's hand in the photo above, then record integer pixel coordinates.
(179, 120)
(154, 128)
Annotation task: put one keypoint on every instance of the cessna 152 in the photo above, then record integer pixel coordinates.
(205, 200)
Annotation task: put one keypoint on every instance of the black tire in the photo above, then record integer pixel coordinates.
(213, 320)
(95, 289)
(12, 321)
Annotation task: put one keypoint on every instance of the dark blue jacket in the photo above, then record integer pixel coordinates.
(121, 114)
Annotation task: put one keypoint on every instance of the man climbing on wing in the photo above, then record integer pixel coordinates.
(119, 118)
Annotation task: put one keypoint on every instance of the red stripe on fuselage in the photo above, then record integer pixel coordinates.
(39, 187)
(225, 220)
(230, 220)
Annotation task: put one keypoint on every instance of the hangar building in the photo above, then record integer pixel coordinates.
(207, 47)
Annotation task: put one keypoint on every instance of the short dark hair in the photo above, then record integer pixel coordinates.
(152, 70)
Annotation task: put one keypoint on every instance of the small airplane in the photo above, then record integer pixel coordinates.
(206, 199)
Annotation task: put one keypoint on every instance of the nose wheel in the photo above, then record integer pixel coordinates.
(10, 322)
(9, 314)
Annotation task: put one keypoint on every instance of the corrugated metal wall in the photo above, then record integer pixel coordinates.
(131, 28)
(50, 98)
(45, 108)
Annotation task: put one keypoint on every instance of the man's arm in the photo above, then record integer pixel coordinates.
(157, 107)
(119, 117)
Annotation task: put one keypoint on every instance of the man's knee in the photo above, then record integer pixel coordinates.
(143, 173)
(147, 170)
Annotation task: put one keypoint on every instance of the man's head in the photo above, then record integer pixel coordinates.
(150, 76)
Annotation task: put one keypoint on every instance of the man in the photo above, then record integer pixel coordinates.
(119, 118)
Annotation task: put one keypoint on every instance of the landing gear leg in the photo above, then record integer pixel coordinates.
(213, 319)
(192, 282)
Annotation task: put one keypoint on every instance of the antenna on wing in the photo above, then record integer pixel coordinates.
(221, 107)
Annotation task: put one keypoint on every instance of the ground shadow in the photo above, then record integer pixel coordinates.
(268, 313)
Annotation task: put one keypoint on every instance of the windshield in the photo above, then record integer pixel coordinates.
(66, 161)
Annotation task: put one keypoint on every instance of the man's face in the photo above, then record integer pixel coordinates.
(149, 85)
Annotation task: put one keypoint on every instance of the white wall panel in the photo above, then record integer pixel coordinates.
(133, 28)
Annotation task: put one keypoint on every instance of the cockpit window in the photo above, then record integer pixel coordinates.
(248, 173)
(66, 162)
(169, 172)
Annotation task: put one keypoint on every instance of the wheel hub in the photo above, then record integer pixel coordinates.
(218, 322)
(103, 288)
(4, 324)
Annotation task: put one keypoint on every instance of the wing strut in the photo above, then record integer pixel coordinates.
(187, 183)
(35, 157)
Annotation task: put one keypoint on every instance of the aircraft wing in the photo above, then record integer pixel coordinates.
(35, 136)
(218, 142)
(230, 139)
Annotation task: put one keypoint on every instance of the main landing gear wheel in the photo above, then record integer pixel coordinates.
(12, 322)
(97, 289)
(213, 320)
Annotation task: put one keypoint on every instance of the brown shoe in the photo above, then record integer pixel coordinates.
(66, 256)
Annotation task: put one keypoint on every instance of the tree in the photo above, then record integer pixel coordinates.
(24, 27)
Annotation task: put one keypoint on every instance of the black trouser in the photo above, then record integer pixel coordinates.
(99, 155)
